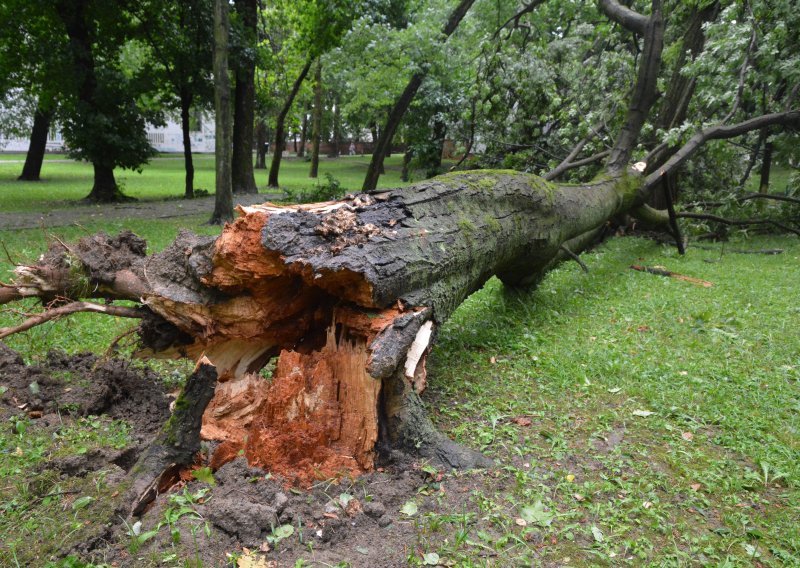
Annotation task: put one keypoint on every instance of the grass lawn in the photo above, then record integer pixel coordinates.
(636, 420)
(64, 182)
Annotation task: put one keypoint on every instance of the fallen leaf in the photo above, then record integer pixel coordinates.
(647, 504)
(431, 559)
(597, 534)
(688, 436)
(253, 560)
(493, 360)
(536, 514)
(642, 413)
(264, 547)
(521, 522)
(695, 486)
(614, 390)
(522, 421)
(570, 478)
(578, 497)
(409, 509)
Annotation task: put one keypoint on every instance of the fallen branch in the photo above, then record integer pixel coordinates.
(575, 257)
(738, 222)
(72, 308)
(663, 272)
(787, 198)
(740, 251)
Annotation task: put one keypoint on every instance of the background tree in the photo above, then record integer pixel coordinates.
(223, 201)
(243, 56)
(179, 38)
(102, 121)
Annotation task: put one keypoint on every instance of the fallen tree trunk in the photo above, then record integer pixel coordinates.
(347, 295)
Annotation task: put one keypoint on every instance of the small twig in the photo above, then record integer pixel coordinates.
(575, 257)
(72, 308)
(670, 274)
(8, 255)
(117, 339)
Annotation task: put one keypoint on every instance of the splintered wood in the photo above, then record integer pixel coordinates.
(315, 419)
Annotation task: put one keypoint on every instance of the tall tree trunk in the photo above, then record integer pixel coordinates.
(186, 107)
(105, 189)
(401, 105)
(32, 169)
(439, 135)
(223, 202)
(316, 128)
(243, 178)
(645, 90)
(294, 141)
(74, 17)
(261, 145)
(301, 151)
(406, 173)
(337, 127)
(280, 125)
(766, 165)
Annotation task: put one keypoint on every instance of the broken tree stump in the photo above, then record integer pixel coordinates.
(347, 295)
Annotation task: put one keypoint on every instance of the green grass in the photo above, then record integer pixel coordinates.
(64, 183)
(710, 477)
(663, 428)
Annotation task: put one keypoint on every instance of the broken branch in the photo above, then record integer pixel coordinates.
(72, 308)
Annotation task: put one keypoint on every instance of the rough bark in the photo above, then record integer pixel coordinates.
(280, 126)
(316, 122)
(223, 202)
(186, 107)
(348, 295)
(243, 178)
(384, 141)
(178, 442)
(32, 169)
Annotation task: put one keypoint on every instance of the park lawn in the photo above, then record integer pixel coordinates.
(65, 182)
(636, 420)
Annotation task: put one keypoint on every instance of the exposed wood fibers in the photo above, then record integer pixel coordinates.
(315, 419)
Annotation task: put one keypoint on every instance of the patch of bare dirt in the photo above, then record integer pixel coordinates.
(64, 387)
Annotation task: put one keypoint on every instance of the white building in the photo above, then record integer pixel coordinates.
(168, 138)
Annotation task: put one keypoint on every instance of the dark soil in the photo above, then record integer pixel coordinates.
(64, 387)
(357, 522)
(354, 521)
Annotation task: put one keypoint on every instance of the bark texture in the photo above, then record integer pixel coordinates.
(223, 201)
(243, 178)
